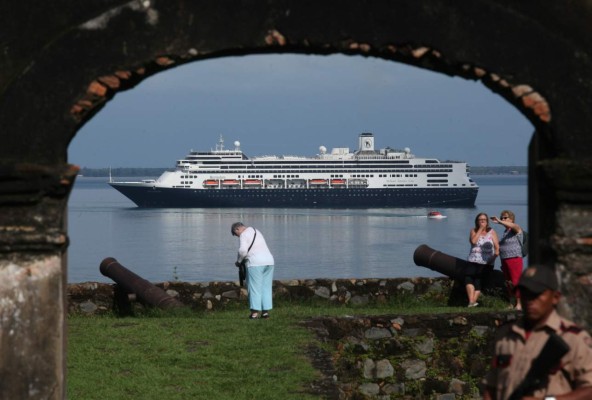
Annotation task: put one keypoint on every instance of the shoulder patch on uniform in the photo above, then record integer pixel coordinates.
(570, 329)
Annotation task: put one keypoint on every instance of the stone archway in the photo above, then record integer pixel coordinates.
(62, 61)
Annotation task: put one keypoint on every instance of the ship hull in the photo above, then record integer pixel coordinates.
(156, 197)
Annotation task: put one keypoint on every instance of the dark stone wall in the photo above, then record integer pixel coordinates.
(409, 356)
(62, 61)
(442, 356)
(93, 298)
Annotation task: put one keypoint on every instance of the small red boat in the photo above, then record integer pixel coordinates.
(436, 215)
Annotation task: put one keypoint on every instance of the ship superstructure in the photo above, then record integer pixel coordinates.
(366, 177)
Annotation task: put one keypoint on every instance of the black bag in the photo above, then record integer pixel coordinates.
(242, 272)
(524, 243)
(242, 268)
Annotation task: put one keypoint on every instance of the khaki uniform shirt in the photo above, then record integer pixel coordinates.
(514, 354)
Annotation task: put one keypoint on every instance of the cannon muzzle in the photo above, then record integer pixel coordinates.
(133, 283)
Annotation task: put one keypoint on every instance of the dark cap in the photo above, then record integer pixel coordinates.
(538, 279)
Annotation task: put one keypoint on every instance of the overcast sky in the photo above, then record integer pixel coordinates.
(292, 104)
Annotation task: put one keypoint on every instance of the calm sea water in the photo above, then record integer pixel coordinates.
(195, 245)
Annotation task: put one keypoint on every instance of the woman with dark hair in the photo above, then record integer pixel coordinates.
(484, 250)
(511, 253)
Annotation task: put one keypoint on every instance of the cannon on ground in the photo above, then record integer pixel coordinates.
(133, 283)
(492, 280)
(453, 267)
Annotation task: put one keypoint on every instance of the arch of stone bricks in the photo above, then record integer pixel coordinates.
(62, 61)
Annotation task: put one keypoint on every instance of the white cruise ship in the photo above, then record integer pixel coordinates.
(364, 178)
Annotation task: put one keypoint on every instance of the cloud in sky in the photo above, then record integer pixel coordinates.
(292, 104)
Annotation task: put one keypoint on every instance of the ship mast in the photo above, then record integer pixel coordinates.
(220, 145)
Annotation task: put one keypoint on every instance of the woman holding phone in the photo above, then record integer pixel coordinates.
(510, 248)
(484, 250)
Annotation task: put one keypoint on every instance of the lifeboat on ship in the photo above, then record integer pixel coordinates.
(436, 215)
(358, 183)
(211, 183)
(296, 183)
(252, 182)
(338, 182)
(318, 182)
(230, 182)
(274, 183)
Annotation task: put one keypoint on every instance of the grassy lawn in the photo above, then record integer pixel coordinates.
(188, 354)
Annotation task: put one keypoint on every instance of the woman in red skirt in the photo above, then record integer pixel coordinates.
(510, 248)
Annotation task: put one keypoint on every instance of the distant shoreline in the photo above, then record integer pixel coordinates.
(129, 172)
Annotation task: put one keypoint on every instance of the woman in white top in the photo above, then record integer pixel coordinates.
(260, 265)
(484, 250)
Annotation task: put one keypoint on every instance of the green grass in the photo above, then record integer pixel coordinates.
(185, 354)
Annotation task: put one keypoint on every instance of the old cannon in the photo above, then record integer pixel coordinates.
(132, 283)
(492, 281)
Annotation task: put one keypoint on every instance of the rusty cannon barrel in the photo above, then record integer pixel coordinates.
(453, 267)
(133, 283)
(493, 281)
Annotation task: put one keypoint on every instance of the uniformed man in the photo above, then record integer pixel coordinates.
(520, 342)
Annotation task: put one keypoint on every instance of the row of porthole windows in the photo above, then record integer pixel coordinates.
(309, 190)
(325, 190)
(351, 190)
(330, 194)
(196, 175)
(444, 184)
(417, 195)
(402, 184)
(397, 175)
(315, 170)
